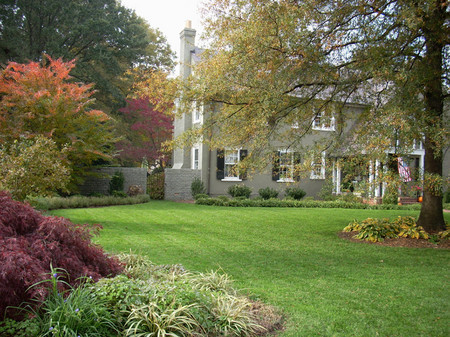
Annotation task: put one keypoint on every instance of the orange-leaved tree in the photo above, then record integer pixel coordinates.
(41, 98)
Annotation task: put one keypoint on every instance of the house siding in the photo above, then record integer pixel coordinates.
(180, 176)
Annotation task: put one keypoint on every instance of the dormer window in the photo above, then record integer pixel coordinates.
(324, 122)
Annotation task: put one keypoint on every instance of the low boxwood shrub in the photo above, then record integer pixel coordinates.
(201, 196)
(239, 191)
(78, 201)
(295, 192)
(268, 193)
(290, 202)
(119, 194)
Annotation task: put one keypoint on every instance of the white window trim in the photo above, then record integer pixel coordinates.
(287, 180)
(225, 164)
(231, 179)
(322, 127)
(322, 169)
(199, 161)
(197, 118)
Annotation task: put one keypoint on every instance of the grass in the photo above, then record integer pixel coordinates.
(293, 259)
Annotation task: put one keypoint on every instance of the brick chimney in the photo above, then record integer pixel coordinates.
(187, 46)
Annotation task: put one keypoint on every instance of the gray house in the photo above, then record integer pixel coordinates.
(215, 166)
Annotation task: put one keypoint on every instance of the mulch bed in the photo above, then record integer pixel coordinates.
(400, 242)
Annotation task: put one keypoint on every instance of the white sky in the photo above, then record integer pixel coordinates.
(169, 16)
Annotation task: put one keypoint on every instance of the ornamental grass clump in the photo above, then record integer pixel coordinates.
(167, 300)
(72, 311)
(31, 242)
(157, 320)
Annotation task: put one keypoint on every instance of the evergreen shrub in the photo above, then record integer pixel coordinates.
(239, 191)
(197, 187)
(201, 196)
(268, 193)
(116, 183)
(79, 201)
(295, 192)
(155, 185)
(224, 201)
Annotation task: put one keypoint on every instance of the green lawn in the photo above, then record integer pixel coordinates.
(293, 259)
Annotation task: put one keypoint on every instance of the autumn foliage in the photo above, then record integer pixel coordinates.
(149, 127)
(31, 242)
(42, 99)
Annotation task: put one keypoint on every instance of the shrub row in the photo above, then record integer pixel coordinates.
(82, 202)
(221, 201)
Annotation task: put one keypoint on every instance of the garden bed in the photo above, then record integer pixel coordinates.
(398, 242)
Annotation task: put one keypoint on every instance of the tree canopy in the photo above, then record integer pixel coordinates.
(39, 100)
(106, 39)
(147, 131)
(273, 63)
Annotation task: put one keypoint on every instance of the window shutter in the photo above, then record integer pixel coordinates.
(242, 172)
(220, 173)
(276, 166)
(297, 161)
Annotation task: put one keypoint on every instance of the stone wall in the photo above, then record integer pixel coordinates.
(98, 182)
(178, 182)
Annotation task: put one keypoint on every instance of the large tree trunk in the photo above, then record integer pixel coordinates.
(431, 216)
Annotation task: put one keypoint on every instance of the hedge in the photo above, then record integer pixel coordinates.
(300, 204)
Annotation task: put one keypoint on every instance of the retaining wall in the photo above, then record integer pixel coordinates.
(177, 185)
(98, 182)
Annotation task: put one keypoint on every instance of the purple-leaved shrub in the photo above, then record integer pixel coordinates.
(31, 242)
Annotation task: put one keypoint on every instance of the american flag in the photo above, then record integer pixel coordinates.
(403, 170)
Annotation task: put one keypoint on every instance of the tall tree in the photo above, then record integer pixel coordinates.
(41, 100)
(148, 130)
(105, 38)
(274, 63)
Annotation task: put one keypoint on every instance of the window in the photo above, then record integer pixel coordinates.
(318, 167)
(197, 116)
(283, 167)
(324, 122)
(195, 158)
(231, 159)
(227, 161)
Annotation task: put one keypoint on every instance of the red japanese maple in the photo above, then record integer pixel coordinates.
(31, 242)
(149, 129)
